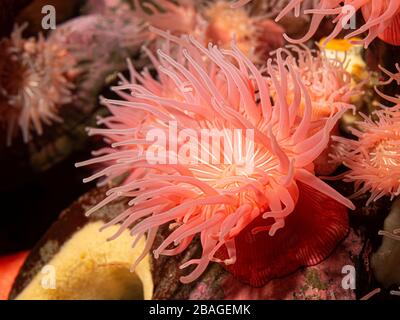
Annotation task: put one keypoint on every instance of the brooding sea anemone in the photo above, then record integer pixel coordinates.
(374, 158)
(328, 82)
(261, 214)
(330, 87)
(218, 23)
(35, 80)
(100, 44)
(382, 19)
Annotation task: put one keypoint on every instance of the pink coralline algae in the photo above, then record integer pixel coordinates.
(382, 19)
(274, 216)
(35, 81)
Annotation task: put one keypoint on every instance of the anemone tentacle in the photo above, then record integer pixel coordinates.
(382, 19)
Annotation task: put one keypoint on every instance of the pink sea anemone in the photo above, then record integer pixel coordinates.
(34, 83)
(382, 18)
(217, 22)
(260, 223)
(374, 158)
(100, 43)
(329, 84)
(181, 17)
(330, 88)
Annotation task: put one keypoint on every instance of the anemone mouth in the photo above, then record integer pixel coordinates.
(385, 154)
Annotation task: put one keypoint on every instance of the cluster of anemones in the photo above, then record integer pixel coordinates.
(205, 88)
(382, 18)
(216, 22)
(34, 83)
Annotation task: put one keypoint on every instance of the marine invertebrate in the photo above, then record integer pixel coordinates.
(382, 19)
(35, 80)
(373, 159)
(178, 18)
(100, 44)
(392, 76)
(246, 208)
(330, 87)
(218, 23)
(328, 82)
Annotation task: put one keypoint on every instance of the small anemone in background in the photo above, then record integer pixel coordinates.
(100, 44)
(328, 82)
(330, 87)
(216, 22)
(259, 224)
(35, 81)
(382, 19)
(374, 157)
